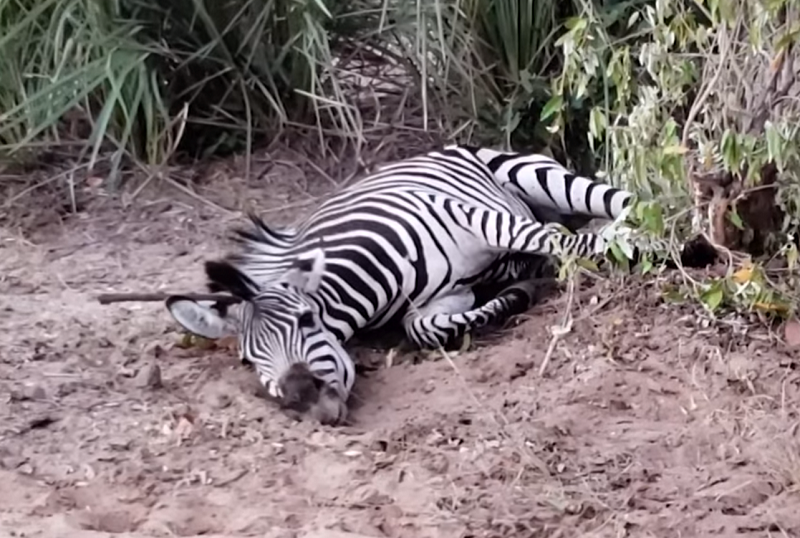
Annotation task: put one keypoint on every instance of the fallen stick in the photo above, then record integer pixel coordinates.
(109, 298)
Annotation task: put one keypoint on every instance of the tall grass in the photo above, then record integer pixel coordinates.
(73, 59)
(125, 70)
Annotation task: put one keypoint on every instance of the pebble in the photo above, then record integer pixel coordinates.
(32, 392)
(13, 462)
(149, 376)
(221, 401)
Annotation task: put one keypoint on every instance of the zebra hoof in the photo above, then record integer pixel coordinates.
(466, 343)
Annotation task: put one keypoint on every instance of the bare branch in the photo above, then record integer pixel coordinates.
(109, 298)
(697, 106)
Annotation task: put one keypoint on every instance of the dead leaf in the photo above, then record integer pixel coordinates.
(777, 62)
(228, 343)
(791, 332)
(184, 429)
(743, 275)
(185, 341)
(777, 308)
(89, 472)
(94, 181)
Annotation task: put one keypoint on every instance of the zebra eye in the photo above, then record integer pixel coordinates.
(306, 319)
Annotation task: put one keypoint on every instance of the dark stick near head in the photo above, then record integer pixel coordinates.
(109, 298)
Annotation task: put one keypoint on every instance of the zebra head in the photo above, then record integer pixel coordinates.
(280, 332)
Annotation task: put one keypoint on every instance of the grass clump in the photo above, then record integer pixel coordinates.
(233, 72)
(126, 70)
(71, 71)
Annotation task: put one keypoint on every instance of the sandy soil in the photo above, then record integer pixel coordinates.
(644, 423)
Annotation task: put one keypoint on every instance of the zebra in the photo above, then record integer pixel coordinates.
(411, 242)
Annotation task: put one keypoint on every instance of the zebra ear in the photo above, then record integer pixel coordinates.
(308, 271)
(200, 319)
(223, 276)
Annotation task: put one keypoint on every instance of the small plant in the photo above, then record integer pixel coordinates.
(694, 110)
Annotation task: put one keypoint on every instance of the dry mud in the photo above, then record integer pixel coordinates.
(643, 423)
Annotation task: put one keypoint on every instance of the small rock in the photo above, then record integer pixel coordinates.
(32, 392)
(37, 393)
(65, 389)
(221, 400)
(26, 469)
(370, 496)
(12, 462)
(149, 376)
(437, 463)
(155, 350)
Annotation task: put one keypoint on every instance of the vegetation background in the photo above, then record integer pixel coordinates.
(691, 103)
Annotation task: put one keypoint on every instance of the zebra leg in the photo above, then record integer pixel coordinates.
(546, 184)
(515, 233)
(434, 330)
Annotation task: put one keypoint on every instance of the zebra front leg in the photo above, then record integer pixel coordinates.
(438, 330)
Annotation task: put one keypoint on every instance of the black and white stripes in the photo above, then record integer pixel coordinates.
(409, 242)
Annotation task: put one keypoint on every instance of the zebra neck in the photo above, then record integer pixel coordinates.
(342, 325)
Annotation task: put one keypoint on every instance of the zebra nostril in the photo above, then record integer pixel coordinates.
(299, 388)
(304, 393)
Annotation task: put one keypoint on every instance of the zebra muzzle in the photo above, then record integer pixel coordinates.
(304, 394)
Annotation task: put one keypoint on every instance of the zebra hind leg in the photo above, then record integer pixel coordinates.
(439, 330)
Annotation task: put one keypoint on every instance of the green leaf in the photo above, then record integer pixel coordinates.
(597, 122)
(619, 256)
(587, 264)
(673, 295)
(551, 107)
(731, 150)
(789, 38)
(675, 150)
(774, 141)
(713, 296)
(791, 257)
(652, 217)
(735, 219)
(575, 24)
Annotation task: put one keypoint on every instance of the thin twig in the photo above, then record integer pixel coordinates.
(701, 99)
(560, 330)
(109, 298)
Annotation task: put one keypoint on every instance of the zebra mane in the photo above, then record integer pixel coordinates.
(263, 238)
(265, 252)
(225, 276)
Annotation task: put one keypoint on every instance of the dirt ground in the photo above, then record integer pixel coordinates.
(645, 422)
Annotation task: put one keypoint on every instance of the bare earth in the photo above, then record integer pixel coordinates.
(643, 423)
